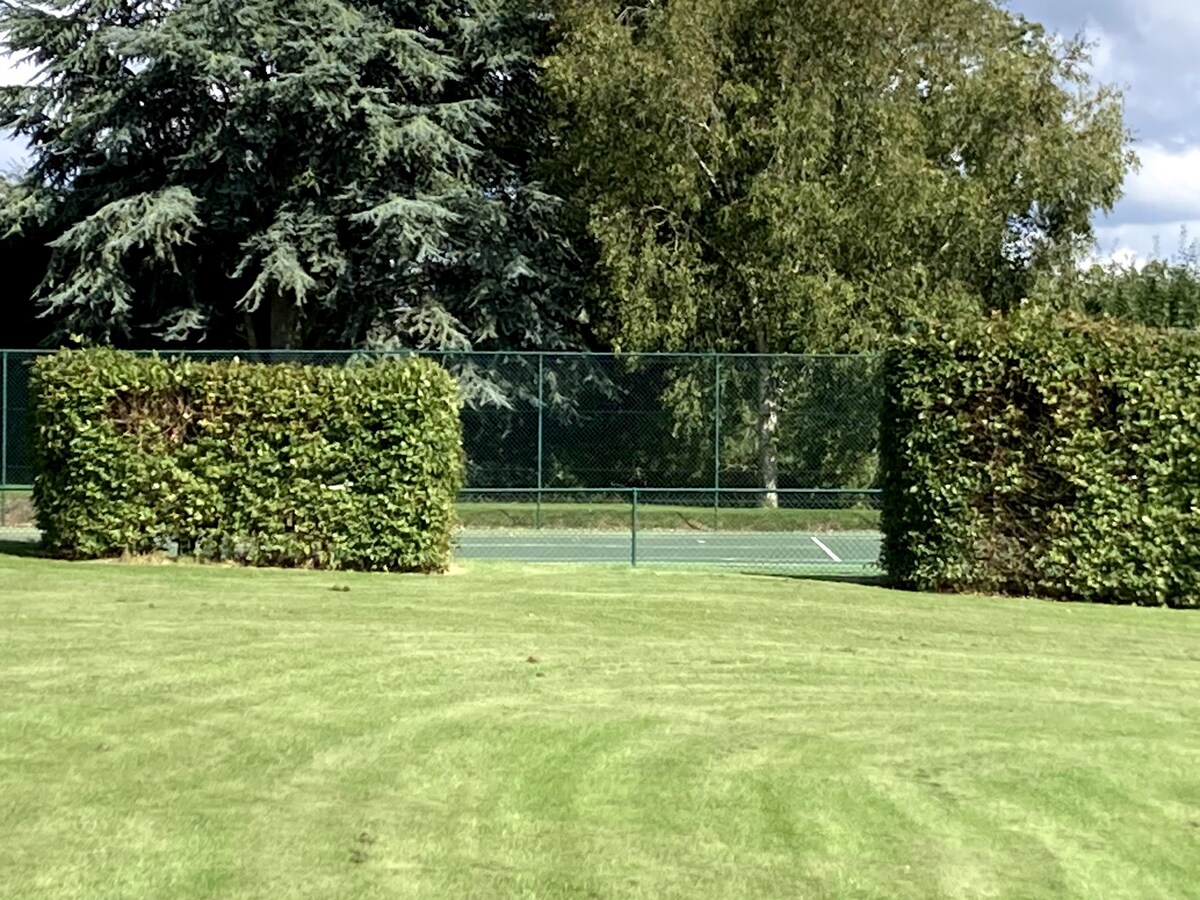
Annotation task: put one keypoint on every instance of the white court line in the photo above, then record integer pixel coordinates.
(828, 552)
(624, 546)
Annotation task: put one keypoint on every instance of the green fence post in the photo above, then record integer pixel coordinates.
(717, 442)
(537, 516)
(4, 418)
(633, 528)
(3, 438)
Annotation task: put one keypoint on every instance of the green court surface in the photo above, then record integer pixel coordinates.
(831, 552)
(846, 553)
(826, 541)
(616, 514)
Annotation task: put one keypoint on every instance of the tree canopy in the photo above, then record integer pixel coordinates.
(310, 172)
(764, 175)
(791, 175)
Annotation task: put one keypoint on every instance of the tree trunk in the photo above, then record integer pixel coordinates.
(285, 323)
(248, 328)
(768, 429)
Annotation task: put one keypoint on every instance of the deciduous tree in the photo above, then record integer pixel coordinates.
(797, 175)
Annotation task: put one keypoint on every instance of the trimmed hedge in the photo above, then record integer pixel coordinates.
(265, 464)
(1044, 456)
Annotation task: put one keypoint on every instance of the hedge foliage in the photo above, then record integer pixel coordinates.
(1044, 456)
(266, 464)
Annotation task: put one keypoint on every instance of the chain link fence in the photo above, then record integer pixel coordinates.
(758, 462)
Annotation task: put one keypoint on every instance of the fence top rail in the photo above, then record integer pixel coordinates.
(614, 490)
(667, 490)
(532, 492)
(798, 492)
(533, 354)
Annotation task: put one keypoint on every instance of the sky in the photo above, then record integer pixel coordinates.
(1150, 49)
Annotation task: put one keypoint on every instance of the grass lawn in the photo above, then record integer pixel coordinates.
(186, 731)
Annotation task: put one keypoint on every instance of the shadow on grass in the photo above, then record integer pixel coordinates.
(20, 548)
(879, 580)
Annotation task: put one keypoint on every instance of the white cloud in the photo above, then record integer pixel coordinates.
(15, 71)
(1109, 65)
(1148, 48)
(1179, 18)
(14, 152)
(1168, 182)
(1146, 241)
(1122, 256)
(14, 155)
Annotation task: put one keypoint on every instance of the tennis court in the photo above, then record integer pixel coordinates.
(843, 553)
(795, 540)
(840, 552)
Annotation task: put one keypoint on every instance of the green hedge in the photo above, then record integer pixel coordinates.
(1044, 456)
(266, 464)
